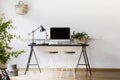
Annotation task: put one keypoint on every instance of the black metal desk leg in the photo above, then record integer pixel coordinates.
(85, 53)
(28, 63)
(85, 58)
(78, 61)
(37, 61)
(29, 60)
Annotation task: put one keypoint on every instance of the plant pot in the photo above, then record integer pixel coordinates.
(12, 70)
(11, 66)
(82, 40)
(12, 73)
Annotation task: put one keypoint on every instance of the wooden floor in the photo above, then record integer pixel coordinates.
(67, 75)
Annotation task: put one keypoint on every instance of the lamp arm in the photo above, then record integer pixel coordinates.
(33, 34)
(35, 30)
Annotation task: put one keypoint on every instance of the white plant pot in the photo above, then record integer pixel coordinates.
(12, 72)
(11, 67)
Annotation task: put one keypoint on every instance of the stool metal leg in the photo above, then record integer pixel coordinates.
(85, 52)
(78, 61)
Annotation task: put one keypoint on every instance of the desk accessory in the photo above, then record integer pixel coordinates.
(45, 42)
(41, 30)
(79, 37)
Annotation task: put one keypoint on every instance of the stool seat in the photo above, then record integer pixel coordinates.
(69, 52)
(53, 52)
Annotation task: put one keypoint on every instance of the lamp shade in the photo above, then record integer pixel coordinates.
(42, 29)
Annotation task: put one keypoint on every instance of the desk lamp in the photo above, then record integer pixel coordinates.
(41, 30)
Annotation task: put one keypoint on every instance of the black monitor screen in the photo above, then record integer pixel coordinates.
(60, 33)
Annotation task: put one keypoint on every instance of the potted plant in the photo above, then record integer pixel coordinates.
(79, 37)
(6, 51)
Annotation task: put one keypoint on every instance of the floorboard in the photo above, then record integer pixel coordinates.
(67, 75)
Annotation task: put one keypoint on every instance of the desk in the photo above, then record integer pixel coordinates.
(83, 52)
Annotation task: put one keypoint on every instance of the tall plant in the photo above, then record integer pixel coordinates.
(6, 51)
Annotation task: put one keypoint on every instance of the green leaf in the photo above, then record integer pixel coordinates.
(6, 51)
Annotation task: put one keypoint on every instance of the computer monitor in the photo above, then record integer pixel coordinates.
(60, 33)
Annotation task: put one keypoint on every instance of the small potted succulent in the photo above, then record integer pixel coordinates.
(79, 37)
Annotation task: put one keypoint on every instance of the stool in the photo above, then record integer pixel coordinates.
(53, 53)
(68, 53)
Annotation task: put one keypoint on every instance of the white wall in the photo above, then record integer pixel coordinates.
(99, 18)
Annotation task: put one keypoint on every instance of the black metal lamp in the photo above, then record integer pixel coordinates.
(41, 30)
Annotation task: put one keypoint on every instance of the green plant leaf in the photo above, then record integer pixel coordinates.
(6, 51)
